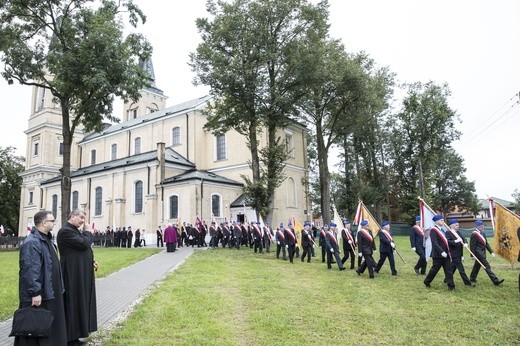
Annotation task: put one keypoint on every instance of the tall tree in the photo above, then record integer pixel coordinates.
(248, 58)
(77, 51)
(420, 135)
(10, 188)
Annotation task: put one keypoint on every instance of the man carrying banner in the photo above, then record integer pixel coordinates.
(417, 243)
(366, 245)
(457, 243)
(349, 244)
(440, 254)
(386, 248)
(478, 245)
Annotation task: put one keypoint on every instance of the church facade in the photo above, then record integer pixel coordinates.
(158, 165)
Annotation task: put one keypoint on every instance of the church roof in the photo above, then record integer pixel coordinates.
(240, 202)
(167, 112)
(170, 155)
(202, 176)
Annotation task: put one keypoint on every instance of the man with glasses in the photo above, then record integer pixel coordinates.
(78, 266)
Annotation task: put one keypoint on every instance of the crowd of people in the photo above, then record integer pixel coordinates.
(65, 284)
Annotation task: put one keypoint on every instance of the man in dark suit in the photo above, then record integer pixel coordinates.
(349, 244)
(417, 244)
(307, 242)
(322, 243)
(386, 248)
(366, 247)
(268, 237)
(213, 234)
(290, 241)
(440, 254)
(331, 239)
(237, 234)
(478, 245)
(457, 243)
(280, 242)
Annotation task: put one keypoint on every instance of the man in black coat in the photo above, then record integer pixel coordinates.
(78, 266)
(386, 248)
(40, 280)
(417, 244)
(478, 245)
(322, 243)
(290, 241)
(237, 234)
(440, 254)
(331, 239)
(129, 237)
(366, 247)
(457, 243)
(349, 244)
(159, 233)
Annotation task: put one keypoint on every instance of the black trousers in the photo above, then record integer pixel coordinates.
(258, 244)
(438, 263)
(281, 247)
(368, 262)
(349, 253)
(307, 251)
(323, 251)
(336, 256)
(476, 269)
(170, 247)
(456, 263)
(382, 259)
(421, 263)
(292, 249)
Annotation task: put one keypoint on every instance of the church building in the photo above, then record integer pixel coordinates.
(158, 165)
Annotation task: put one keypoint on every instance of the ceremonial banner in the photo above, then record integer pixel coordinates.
(337, 220)
(298, 229)
(426, 224)
(506, 238)
(364, 214)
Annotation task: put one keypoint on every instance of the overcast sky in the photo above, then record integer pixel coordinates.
(471, 45)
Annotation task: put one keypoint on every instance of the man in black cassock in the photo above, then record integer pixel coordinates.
(78, 266)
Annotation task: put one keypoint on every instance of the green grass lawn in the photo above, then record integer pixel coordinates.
(110, 260)
(229, 297)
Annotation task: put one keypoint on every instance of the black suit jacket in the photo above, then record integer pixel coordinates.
(455, 248)
(366, 246)
(477, 247)
(438, 244)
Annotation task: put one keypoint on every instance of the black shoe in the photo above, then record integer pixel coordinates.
(417, 271)
(473, 280)
(498, 282)
(470, 284)
(427, 285)
(451, 288)
(342, 268)
(371, 277)
(358, 273)
(394, 274)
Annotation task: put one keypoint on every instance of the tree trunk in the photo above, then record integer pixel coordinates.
(324, 174)
(65, 169)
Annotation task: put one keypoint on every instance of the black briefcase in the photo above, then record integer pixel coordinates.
(32, 322)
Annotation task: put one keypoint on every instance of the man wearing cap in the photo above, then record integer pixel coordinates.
(280, 242)
(349, 244)
(322, 241)
(386, 248)
(257, 234)
(268, 237)
(290, 241)
(366, 247)
(237, 234)
(440, 254)
(417, 243)
(212, 234)
(331, 239)
(478, 245)
(457, 243)
(307, 242)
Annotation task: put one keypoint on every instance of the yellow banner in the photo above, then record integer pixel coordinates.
(298, 229)
(506, 238)
(373, 225)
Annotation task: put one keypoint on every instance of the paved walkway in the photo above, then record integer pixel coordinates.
(118, 291)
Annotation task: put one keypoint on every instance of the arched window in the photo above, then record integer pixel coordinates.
(174, 207)
(291, 193)
(75, 198)
(113, 151)
(176, 136)
(55, 205)
(220, 146)
(137, 145)
(98, 206)
(216, 205)
(138, 196)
